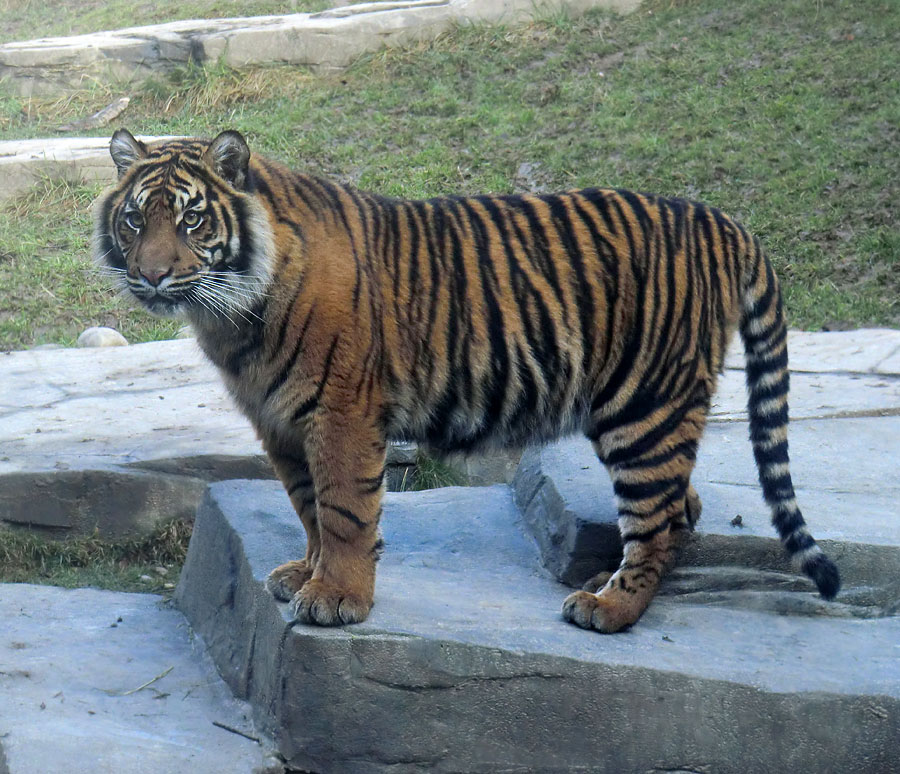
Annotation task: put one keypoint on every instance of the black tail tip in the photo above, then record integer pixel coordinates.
(825, 575)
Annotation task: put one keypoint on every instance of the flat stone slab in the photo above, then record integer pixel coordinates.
(120, 438)
(76, 159)
(70, 661)
(329, 39)
(844, 440)
(466, 665)
(863, 351)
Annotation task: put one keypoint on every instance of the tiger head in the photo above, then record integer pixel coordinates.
(181, 229)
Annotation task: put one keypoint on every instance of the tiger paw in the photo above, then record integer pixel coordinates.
(286, 580)
(598, 611)
(321, 603)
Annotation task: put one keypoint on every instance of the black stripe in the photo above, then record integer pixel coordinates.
(282, 376)
(371, 485)
(686, 449)
(646, 537)
(496, 386)
(760, 365)
(777, 454)
(774, 390)
(299, 485)
(762, 424)
(799, 542)
(346, 513)
(643, 490)
(311, 403)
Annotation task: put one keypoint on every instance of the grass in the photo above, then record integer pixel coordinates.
(784, 113)
(29, 19)
(149, 564)
(430, 473)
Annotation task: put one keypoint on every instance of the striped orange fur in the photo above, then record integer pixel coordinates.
(341, 320)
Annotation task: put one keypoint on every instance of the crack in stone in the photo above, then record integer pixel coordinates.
(453, 685)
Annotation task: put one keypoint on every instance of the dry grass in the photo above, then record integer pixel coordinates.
(93, 561)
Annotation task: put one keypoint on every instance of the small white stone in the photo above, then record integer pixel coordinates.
(101, 337)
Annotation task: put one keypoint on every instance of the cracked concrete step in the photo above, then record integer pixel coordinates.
(74, 159)
(466, 665)
(70, 661)
(326, 40)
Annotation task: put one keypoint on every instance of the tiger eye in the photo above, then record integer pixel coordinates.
(191, 219)
(134, 220)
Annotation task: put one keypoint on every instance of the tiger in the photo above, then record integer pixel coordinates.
(342, 320)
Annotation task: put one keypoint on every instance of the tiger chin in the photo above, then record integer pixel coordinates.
(341, 320)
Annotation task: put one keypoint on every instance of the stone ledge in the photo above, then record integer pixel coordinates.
(122, 438)
(863, 351)
(326, 40)
(74, 159)
(465, 664)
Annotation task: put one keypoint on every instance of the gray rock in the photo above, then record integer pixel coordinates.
(117, 504)
(99, 336)
(70, 664)
(497, 467)
(93, 437)
(466, 665)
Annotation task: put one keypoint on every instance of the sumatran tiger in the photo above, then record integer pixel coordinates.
(341, 320)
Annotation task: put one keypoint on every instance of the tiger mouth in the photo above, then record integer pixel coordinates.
(158, 302)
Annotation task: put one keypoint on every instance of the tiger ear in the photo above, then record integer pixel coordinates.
(229, 157)
(125, 150)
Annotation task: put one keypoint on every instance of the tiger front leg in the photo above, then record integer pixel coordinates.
(347, 457)
(293, 471)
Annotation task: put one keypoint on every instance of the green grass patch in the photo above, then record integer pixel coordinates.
(784, 113)
(430, 473)
(29, 19)
(150, 563)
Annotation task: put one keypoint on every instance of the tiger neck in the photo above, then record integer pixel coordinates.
(231, 342)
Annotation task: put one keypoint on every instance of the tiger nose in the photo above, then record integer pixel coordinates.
(155, 275)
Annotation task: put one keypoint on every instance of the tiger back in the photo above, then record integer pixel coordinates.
(342, 320)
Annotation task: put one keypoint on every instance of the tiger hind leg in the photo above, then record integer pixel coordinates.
(650, 473)
(682, 525)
